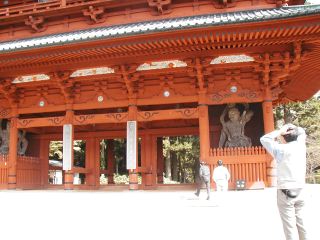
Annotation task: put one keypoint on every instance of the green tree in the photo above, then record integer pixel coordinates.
(181, 155)
(55, 150)
(304, 114)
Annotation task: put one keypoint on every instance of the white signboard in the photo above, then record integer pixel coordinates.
(67, 147)
(131, 144)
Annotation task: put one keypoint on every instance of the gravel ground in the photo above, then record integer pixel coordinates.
(247, 215)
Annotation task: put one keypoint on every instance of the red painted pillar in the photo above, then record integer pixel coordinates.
(68, 174)
(111, 160)
(44, 162)
(154, 161)
(90, 177)
(96, 155)
(149, 163)
(204, 127)
(13, 142)
(143, 155)
(204, 131)
(268, 121)
(160, 161)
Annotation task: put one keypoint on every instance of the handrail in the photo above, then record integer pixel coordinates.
(4, 158)
(248, 163)
(81, 170)
(237, 151)
(104, 171)
(28, 159)
(55, 168)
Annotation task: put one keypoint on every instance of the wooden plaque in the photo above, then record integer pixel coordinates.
(67, 146)
(131, 144)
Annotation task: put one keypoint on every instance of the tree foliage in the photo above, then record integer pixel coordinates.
(79, 149)
(183, 152)
(307, 115)
(55, 150)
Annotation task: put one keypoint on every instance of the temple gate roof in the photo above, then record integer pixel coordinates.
(283, 45)
(175, 24)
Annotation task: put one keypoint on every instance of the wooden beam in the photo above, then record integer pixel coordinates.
(100, 118)
(185, 113)
(40, 122)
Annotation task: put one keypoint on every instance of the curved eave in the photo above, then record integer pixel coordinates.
(305, 82)
(135, 29)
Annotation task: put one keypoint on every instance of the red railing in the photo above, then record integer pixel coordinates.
(3, 171)
(34, 7)
(28, 172)
(238, 151)
(249, 164)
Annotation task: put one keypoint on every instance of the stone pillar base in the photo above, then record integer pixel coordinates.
(160, 178)
(133, 181)
(110, 179)
(272, 174)
(12, 181)
(68, 180)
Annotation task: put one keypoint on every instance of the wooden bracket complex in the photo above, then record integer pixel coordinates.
(298, 55)
(224, 3)
(8, 91)
(95, 14)
(66, 86)
(200, 77)
(160, 7)
(277, 67)
(127, 81)
(279, 3)
(266, 70)
(36, 23)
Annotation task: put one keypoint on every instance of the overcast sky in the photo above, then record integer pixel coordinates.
(314, 1)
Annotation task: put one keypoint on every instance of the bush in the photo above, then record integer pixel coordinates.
(314, 178)
(118, 179)
(168, 181)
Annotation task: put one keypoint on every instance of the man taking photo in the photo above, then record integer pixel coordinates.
(288, 147)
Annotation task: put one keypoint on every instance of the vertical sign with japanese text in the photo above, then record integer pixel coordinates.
(131, 144)
(67, 146)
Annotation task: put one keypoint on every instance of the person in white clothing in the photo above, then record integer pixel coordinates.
(288, 147)
(221, 177)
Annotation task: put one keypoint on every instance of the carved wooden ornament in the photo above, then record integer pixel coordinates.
(36, 23)
(95, 14)
(160, 7)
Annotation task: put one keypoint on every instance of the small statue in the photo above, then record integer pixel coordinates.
(5, 140)
(4, 134)
(22, 142)
(232, 133)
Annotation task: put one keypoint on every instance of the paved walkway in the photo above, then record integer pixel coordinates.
(46, 215)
